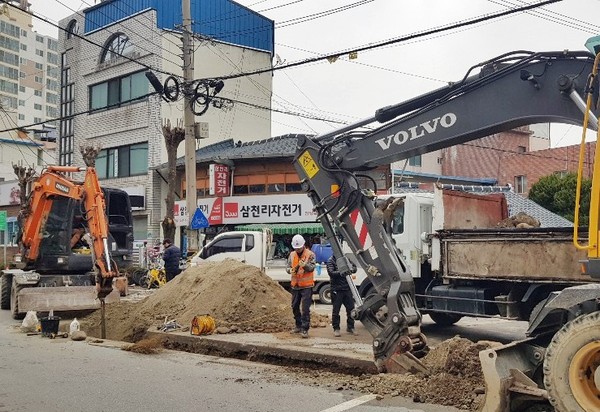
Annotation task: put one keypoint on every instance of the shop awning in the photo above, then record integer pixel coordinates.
(308, 228)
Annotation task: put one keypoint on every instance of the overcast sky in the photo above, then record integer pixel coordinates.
(350, 90)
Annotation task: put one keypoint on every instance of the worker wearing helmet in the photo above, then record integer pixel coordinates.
(301, 265)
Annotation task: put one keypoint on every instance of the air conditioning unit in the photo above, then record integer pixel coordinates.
(137, 202)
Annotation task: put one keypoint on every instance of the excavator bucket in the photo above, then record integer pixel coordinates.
(508, 371)
(405, 362)
(61, 298)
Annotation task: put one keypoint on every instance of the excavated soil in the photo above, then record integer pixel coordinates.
(243, 299)
(239, 297)
(456, 378)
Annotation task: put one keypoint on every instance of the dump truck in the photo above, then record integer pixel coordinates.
(74, 238)
(468, 257)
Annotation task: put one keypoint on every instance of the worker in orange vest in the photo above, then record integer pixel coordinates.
(301, 265)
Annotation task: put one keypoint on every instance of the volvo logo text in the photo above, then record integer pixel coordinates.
(399, 138)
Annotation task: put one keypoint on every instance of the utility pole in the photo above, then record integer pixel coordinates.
(188, 120)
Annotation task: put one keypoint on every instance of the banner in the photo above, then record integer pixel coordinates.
(290, 208)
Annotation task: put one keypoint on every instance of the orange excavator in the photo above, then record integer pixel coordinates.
(67, 244)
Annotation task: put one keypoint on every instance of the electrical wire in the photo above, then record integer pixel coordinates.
(45, 20)
(392, 41)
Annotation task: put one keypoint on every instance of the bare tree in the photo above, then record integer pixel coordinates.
(90, 153)
(25, 176)
(173, 137)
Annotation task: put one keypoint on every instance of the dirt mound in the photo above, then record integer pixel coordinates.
(456, 378)
(521, 220)
(239, 297)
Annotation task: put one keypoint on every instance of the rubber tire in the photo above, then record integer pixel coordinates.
(444, 319)
(325, 294)
(5, 287)
(14, 303)
(573, 336)
(144, 281)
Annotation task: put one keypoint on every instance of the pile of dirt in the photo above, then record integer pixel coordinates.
(456, 377)
(521, 221)
(239, 297)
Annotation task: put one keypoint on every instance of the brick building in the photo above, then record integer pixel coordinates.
(105, 51)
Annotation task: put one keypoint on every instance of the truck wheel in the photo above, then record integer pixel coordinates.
(572, 365)
(325, 294)
(444, 319)
(14, 304)
(5, 287)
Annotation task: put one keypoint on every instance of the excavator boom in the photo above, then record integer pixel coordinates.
(512, 90)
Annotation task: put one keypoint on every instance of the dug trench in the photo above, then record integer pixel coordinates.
(242, 299)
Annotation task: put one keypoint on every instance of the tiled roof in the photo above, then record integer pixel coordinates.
(280, 146)
(518, 203)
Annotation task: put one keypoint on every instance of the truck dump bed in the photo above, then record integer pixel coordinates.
(533, 254)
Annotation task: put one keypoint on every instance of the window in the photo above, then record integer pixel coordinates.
(123, 161)
(72, 29)
(38, 79)
(39, 52)
(415, 161)
(521, 149)
(9, 29)
(52, 58)
(51, 98)
(23, 33)
(51, 112)
(39, 39)
(520, 184)
(66, 134)
(10, 236)
(23, 47)
(8, 43)
(40, 157)
(21, 116)
(9, 87)
(561, 173)
(22, 89)
(52, 44)
(21, 102)
(118, 91)
(37, 120)
(37, 93)
(229, 244)
(116, 46)
(9, 58)
(39, 66)
(9, 72)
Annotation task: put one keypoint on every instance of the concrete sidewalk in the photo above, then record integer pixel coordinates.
(348, 353)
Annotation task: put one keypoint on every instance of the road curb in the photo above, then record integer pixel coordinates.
(288, 355)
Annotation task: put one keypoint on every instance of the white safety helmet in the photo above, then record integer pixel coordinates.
(298, 241)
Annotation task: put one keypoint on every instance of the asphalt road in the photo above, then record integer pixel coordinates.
(39, 373)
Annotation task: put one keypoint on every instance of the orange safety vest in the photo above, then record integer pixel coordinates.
(302, 279)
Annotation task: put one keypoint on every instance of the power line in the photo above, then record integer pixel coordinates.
(392, 41)
(45, 20)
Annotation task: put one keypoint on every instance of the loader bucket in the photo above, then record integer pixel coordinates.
(61, 298)
(508, 370)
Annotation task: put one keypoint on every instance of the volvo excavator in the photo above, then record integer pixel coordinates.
(557, 366)
(68, 244)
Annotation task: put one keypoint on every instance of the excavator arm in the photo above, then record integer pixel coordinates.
(52, 183)
(512, 90)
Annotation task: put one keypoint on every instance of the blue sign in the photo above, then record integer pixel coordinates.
(199, 221)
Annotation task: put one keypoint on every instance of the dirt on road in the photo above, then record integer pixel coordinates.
(243, 299)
